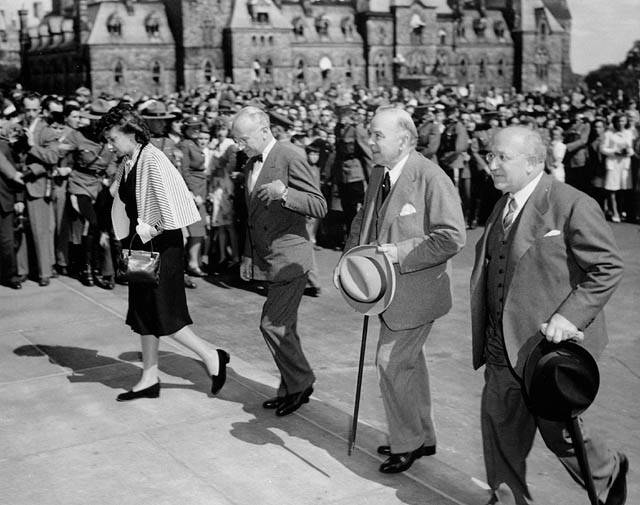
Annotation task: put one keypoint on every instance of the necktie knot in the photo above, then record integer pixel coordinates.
(509, 217)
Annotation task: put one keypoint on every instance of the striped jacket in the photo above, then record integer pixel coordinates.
(162, 197)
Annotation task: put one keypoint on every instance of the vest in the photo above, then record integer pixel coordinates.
(498, 247)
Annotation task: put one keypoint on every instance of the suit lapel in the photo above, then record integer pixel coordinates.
(530, 220)
(402, 192)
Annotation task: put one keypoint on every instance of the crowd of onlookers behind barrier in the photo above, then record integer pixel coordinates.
(56, 168)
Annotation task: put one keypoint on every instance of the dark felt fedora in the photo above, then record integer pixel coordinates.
(560, 380)
(366, 279)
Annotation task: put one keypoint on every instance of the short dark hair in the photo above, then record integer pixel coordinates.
(127, 120)
(69, 108)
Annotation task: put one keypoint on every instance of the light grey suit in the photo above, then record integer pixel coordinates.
(422, 216)
(562, 259)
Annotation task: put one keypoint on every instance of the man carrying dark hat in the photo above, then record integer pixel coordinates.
(546, 264)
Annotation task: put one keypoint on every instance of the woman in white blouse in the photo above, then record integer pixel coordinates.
(618, 148)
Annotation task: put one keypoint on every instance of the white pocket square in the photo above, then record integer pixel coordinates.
(407, 210)
(552, 233)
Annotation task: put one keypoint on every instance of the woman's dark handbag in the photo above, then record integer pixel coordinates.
(141, 267)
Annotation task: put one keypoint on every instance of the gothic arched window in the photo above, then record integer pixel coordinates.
(114, 25)
(156, 72)
(152, 25)
(118, 72)
(207, 71)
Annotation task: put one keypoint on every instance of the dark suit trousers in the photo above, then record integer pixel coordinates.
(508, 431)
(41, 222)
(404, 384)
(278, 324)
(8, 262)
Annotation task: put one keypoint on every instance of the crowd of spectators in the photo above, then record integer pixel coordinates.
(56, 168)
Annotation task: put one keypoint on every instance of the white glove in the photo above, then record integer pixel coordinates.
(145, 231)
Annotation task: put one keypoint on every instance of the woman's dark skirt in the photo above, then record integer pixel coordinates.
(160, 310)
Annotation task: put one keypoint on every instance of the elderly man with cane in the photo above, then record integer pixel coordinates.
(412, 214)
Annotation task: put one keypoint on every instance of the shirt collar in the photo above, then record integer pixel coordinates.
(267, 149)
(521, 196)
(396, 170)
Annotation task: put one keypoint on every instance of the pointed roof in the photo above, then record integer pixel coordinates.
(530, 8)
(559, 8)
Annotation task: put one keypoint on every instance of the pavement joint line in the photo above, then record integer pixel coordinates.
(326, 430)
(365, 451)
(155, 443)
(93, 300)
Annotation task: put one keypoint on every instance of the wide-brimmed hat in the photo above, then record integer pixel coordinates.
(560, 380)
(96, 109)
(366, 279)
(155, 109)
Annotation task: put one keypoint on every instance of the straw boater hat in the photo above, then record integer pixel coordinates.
(366, 279)
(155, 109)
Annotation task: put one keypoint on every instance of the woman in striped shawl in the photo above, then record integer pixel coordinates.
(151, 206)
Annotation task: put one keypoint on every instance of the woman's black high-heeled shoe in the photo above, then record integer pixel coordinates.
(150, 392)
(217, 381)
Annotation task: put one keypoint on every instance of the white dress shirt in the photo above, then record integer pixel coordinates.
(396, 170)
(522, 196)
(257, 166)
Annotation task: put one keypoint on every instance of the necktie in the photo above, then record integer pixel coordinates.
(512, 207)
(255, 171)
(386, 186)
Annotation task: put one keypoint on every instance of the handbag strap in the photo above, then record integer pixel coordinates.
(135, 165)
(131, 242)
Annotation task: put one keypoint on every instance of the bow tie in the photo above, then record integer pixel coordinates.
(257, 158)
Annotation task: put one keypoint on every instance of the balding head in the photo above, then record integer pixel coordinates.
(393, 135)
(251, 129)
(519, 155)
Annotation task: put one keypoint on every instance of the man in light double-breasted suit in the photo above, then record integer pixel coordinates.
(281, 191)
(412, 210)
(546, 265)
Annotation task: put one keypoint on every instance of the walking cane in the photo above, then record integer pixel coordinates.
(364, 234)
(578, 444)
(356, 407)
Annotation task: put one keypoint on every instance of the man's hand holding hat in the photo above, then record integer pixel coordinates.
(390, 250)
(559, 329)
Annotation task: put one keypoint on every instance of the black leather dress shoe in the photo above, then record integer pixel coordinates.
(397, 463)
(44, 282)
(427, 450)
(14, 284)
(272, 403)
(188, 283)
(150, 392)
(104, 282)
(618, 491)
(217, 381)
(293, 402)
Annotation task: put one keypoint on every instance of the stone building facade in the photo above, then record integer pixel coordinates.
(156, 46)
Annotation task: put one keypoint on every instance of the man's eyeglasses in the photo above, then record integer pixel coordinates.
(501, 157)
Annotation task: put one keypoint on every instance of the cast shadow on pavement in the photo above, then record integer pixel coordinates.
(325, 427)
(88, 365)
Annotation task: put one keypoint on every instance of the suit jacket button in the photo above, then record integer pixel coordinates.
(264, 228)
